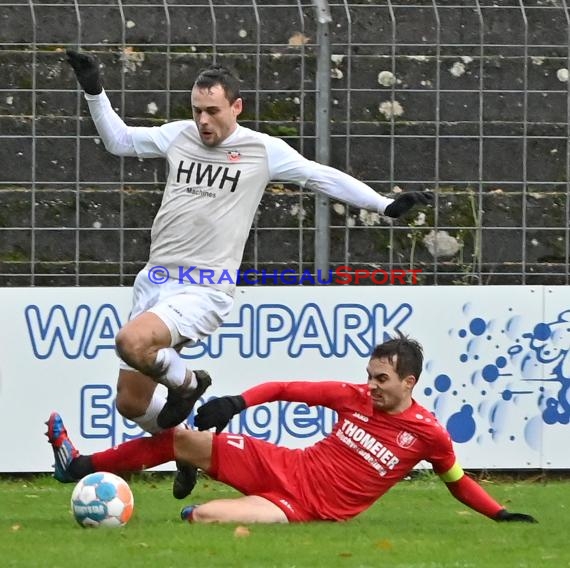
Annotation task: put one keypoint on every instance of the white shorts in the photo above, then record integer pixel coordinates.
(190, 312)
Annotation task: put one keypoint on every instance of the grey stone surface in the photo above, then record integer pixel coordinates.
(79, 198)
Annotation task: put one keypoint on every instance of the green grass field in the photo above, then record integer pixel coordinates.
(417, 524)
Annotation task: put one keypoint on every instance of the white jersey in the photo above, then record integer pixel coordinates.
(212, 193)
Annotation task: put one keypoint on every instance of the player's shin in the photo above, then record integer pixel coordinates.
(136, 455)
(148, 420)
(171, 369)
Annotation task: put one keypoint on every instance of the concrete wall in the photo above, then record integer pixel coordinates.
(478, 112)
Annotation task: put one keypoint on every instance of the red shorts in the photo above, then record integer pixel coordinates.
(256, 467)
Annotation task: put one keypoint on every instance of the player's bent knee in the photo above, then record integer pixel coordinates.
(128, 406)
(181, 439)
(134, 351)
(193, 447)
(125, 345)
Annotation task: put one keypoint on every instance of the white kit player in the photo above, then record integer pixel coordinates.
(218, 171)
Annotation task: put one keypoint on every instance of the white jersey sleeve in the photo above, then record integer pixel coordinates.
(286, 164)
(123, 140)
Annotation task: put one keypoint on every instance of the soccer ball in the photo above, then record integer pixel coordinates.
(102, 500)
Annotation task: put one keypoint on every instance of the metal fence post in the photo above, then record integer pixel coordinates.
(322, 114)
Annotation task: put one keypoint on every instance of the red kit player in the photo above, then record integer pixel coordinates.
(380, 435)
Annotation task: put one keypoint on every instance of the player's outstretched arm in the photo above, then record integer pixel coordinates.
(470, 493)
(286, 164)
(217, 412)
(117, 137)
(115, 134)
(86, 69)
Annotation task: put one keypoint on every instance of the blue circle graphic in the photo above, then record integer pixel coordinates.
(490, 373)
(501, 362)
(461, 425)
(442, 383)
(477, 326)
(507, 394)
(541, 331)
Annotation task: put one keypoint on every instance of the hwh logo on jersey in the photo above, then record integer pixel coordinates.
(208, 174)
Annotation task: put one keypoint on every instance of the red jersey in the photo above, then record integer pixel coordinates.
(367, 452)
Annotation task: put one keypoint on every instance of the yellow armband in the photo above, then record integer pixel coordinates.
(453, 474)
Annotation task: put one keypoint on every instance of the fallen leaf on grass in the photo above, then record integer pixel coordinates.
(384, 544)
(241, 532)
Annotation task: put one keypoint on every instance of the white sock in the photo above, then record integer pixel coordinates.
(173, 368)
(148, 420)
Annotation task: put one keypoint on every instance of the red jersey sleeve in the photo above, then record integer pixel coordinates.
(463, 488)
(469, 492)
(442, 455)
(332, 394)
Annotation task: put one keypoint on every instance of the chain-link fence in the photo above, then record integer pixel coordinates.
(469, 98)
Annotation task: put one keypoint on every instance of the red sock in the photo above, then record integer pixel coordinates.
(137, 454)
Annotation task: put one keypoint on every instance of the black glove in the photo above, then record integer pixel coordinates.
(405, 201)
(504, 516)
(86, 69)
(218, 412)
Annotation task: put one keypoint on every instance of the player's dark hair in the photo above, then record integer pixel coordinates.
(218, 75)
(408, 352)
